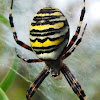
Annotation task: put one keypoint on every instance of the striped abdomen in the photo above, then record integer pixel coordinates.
(49, 33)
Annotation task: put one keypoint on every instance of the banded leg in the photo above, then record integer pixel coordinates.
(33, 87)
(14, 32)
(77, 84)
(28, 60)
(76, 44)
(74, 38)
(73, 83)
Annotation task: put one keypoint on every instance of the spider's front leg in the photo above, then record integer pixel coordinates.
(76, 87)
(14, 31)
(33, 87)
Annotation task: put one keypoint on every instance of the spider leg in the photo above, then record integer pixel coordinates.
(74, 38)
(14, 32)
(76, 44)
(28, 60)
(77, 84)
(76, 87)
(33, 87)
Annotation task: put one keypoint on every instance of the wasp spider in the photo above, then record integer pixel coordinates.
(49, 36)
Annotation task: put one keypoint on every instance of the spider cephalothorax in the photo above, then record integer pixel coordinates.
(49, 36)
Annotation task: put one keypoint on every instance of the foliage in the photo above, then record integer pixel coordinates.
(3, 95)
(4, 20)
(8, 79)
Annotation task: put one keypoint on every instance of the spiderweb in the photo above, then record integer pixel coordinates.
(84, 62)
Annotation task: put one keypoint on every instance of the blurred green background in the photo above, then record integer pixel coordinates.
(84, 62)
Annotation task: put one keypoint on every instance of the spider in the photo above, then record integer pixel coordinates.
(49, 36)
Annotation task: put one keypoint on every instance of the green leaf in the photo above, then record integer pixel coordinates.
(11, 75)
(4, 20)
(3, 95)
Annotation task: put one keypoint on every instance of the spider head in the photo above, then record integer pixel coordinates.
(54, 67)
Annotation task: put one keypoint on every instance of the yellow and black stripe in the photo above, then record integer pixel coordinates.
(49, 30)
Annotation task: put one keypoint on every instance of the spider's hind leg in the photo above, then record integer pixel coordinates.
(74, 38)
(33, 87)
(76, 87)
(14, 31)
(74, 47)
